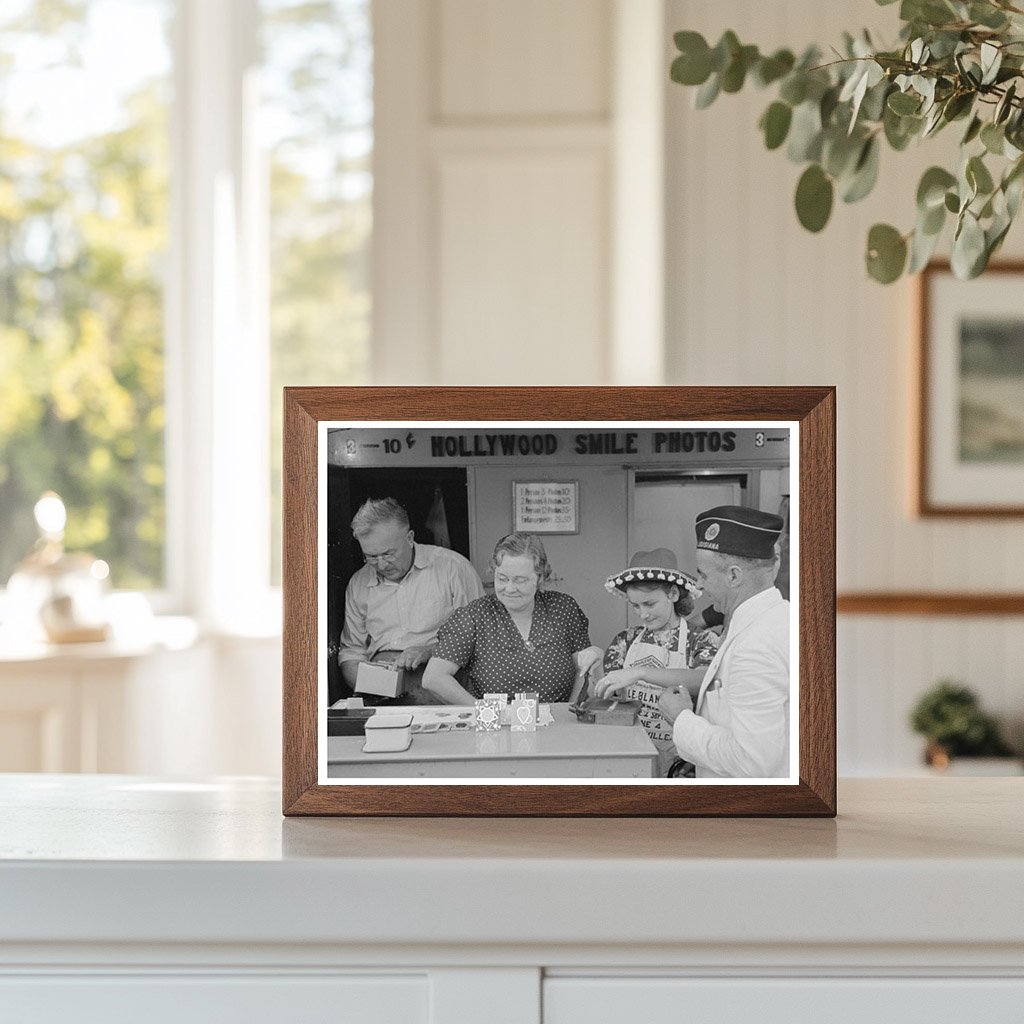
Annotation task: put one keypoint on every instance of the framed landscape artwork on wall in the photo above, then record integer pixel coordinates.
(970, 451)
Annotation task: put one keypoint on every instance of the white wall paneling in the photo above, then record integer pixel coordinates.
(496, 200)
(522, 246)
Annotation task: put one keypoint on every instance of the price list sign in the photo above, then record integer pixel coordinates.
(546, 506)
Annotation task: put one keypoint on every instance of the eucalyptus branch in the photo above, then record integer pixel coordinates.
(833, 117)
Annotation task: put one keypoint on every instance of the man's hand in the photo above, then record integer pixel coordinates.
(413, 657)
(673, 703)
(616, 681)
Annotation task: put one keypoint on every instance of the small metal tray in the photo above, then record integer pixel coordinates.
(598, 711)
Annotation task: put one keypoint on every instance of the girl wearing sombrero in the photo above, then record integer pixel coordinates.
(661, 651)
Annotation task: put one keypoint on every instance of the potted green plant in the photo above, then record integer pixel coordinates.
(955, 61)
(950, 717)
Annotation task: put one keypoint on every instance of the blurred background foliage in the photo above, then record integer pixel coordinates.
(84, 190)
(83, 232)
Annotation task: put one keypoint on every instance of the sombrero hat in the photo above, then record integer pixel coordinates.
(657, 566)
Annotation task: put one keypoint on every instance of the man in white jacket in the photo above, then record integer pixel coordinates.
(739, 726)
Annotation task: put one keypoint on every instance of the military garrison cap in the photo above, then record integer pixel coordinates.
(735, 530)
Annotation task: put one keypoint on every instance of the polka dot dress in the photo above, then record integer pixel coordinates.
(482, 637)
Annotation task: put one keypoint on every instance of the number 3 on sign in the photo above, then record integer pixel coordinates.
(759, 439)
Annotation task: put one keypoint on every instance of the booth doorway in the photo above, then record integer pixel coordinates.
(665, 506)
(437, 501)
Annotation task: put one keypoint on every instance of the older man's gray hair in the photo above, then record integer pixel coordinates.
(375, 511)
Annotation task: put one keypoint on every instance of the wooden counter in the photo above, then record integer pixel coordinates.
(564, 749)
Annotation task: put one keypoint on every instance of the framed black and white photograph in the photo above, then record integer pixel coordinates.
(565, 601)
(970, 453)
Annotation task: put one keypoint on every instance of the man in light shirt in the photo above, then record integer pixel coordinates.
(395, 603)
(739, 726)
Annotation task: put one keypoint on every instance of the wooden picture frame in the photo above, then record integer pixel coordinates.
(970, 413)
(805, 415)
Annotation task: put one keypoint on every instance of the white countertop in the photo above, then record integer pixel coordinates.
(123, 859)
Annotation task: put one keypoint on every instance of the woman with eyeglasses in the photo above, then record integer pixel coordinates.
(523, 638)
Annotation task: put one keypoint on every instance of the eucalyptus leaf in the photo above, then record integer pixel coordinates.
(934, 121)
(966, 187)
(857, 77)
(978, 176)
(814, 195)
(968, 247)
(932, 221)
(900, 130)
(873, 106)
(1013, 191)
(858, 97)
(952, 202)
(958, 105)
(994, 236)
(943, 44)
(805, 133)
(931, 12)
(840, 152)
(688, 41)
(972, 132)
(925, 88)
(993, 138)
(931, 190)
(724, 51)
(775, 124)
(991, 60)
(922, 248)
(886, 253)
(771, 69)
(1013, 187)
(1004, 106)
(794, 88)
(987, 15)
(707, 93)
(865, 173)
(687, 71)
(735, 74)
(828, 104)
(903, 103)
(817, 84)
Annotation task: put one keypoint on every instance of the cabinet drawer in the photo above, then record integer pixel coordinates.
(569, 1000)
(222, 999)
